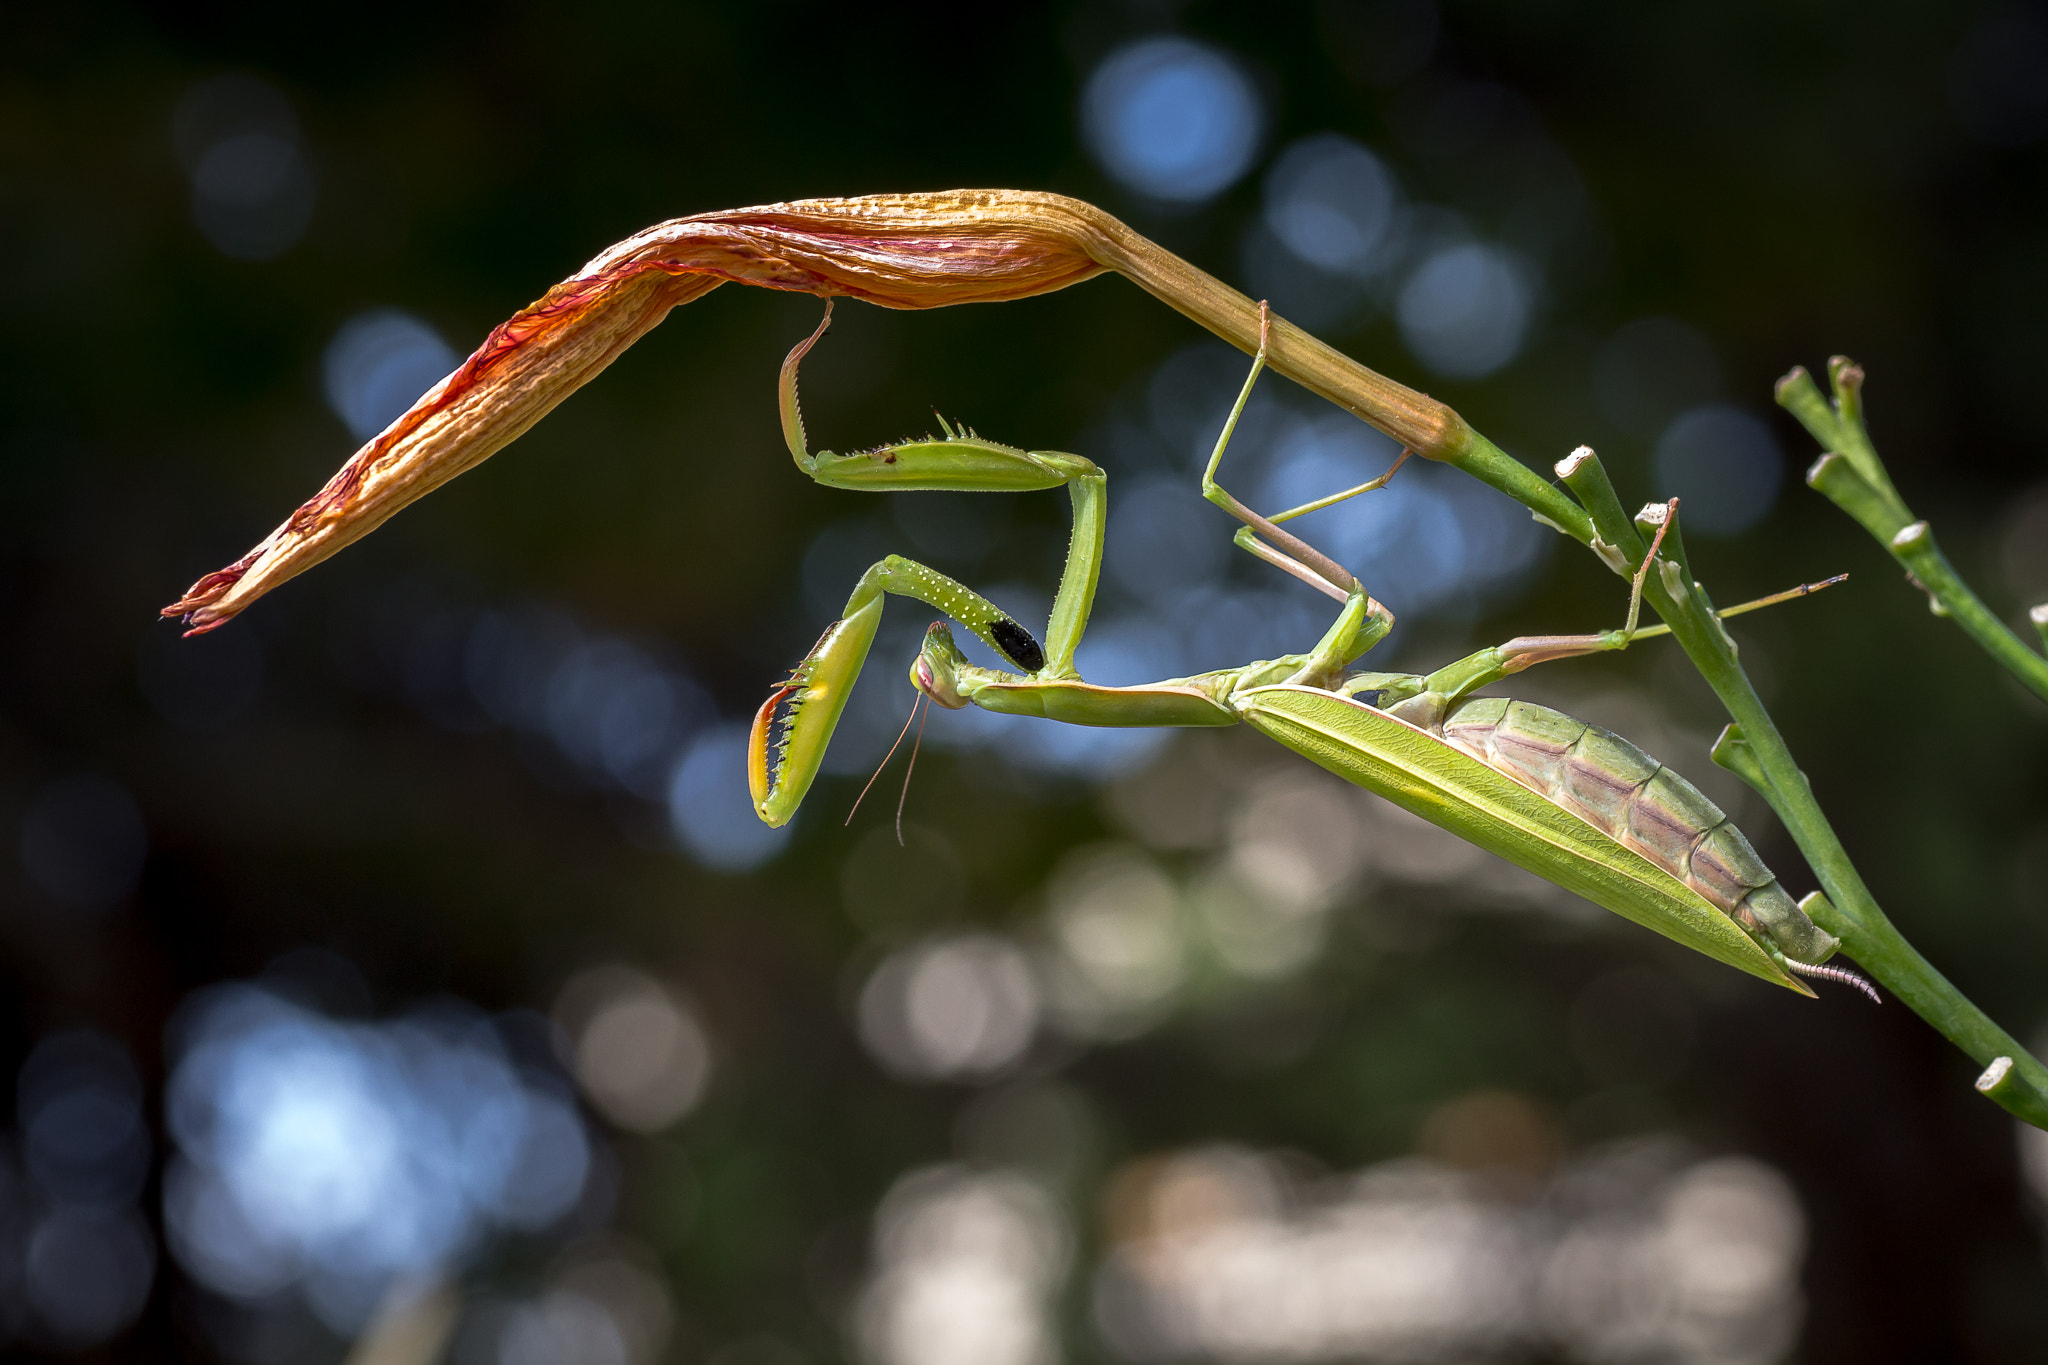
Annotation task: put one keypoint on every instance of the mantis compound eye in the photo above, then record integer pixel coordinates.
(934, 672)
(935, 685)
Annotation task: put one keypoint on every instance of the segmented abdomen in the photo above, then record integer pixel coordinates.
(1622, 791)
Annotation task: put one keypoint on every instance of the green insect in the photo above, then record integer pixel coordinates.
(1566, 800)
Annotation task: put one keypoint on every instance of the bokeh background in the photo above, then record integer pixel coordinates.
(400, 971)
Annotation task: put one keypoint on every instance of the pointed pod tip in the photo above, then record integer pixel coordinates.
(199, 619)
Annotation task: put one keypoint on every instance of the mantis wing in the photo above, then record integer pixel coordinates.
(1420, 773)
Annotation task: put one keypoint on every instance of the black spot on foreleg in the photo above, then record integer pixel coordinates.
(1018, 644)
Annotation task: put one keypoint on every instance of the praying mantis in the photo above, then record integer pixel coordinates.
(1569, 801)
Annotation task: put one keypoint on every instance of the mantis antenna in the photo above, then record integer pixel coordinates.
(915, 745)
(855, 808)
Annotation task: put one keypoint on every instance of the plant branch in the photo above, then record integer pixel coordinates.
(1753, 749)
(1852, 477)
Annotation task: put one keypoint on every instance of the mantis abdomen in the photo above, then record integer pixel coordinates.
(1643, 805)
(1565, 800)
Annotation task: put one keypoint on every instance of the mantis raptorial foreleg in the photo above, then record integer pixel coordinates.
(794, 726)
(963, 461)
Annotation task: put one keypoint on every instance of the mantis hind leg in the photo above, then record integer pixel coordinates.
(1364, 622)
(1260, 535)
(1424, 700)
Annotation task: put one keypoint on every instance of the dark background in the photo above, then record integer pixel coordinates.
(1790, 181)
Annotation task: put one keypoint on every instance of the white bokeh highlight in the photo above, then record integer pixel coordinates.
(966, 1265)
(1723, 465)
(378, 365)
(1172, 119)
(1633, 1253)
(955, 1008)
(333, 1158)
(641, 1052)
(1466, 309)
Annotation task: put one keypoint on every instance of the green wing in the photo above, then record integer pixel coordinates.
(1420, 773)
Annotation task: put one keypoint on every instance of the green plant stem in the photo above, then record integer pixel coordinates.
(1491, 465)
(1866, 933)
(1852, 477)
(1441, 434)
(1852, 913)
(1583, 473)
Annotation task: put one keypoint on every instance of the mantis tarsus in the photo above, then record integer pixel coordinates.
(1569, 801)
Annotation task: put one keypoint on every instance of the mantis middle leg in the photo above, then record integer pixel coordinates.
(1424, 699)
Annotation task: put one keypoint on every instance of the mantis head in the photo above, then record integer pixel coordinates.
(794, 726)
(937, 670)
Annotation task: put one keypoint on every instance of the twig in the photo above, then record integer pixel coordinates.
(1851, 476)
